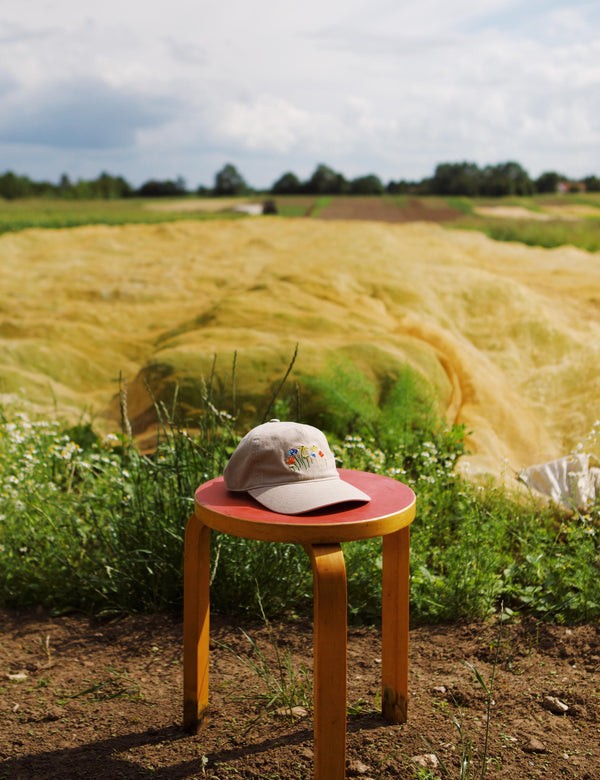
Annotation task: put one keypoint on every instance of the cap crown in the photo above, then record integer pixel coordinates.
(278, 453)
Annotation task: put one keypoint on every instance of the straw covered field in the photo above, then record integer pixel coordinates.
(507, 336)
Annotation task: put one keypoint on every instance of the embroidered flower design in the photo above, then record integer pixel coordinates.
(303, 458)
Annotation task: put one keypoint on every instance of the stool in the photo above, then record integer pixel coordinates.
(389, 515)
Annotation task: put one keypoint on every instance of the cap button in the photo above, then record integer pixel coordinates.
(274, 420)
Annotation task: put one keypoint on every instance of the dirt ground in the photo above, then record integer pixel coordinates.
(374, 209)
(84, 698)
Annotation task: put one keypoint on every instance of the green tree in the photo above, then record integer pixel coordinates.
(366, 185)
(111, 187)
(13, 186)
(548, 181)
(507, 178)
(162, 189)
(325, 181)
(462, 178)
(400, 187)
(592, 183)
(288, 184)
(229, 183)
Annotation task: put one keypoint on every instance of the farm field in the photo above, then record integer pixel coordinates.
(506, 336)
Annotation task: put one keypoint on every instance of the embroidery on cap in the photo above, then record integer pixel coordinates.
(304, 458)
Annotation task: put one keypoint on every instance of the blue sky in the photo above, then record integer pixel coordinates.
(179, 88)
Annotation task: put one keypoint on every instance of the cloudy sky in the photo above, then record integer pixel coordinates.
(159, 89)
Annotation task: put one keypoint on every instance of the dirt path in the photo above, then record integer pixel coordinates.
(81, 698)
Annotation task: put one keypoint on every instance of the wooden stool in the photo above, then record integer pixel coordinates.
(388, 514)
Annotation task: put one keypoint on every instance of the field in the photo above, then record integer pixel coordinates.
(383, 303)
(506, 336)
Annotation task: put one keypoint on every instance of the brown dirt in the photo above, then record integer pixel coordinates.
(83, 698)
(376, 210)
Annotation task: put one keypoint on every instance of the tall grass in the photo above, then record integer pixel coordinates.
(90, 523)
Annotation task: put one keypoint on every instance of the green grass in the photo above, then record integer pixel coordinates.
(16, 215)
(583, 234)
(320, 204)
(294, 205)
(91, 524)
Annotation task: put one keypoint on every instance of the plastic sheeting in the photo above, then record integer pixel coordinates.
(570, 481)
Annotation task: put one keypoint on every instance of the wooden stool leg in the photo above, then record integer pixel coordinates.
(394, 628)
(196, 614)
(330, 636)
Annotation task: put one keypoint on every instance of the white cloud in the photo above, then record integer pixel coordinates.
(363, 85)
(268, 122)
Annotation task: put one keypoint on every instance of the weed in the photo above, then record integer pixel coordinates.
(118, 685)
(283, 688)
(467, 770)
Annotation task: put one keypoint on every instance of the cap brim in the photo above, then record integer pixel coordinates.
(307, 495)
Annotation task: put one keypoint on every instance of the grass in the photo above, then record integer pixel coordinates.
(91, 524)
(282, 687)
(61, 213)
(584, 233)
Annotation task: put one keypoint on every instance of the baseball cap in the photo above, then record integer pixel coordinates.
(289, 468)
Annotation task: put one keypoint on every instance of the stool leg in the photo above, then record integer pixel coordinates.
(394, 625)
(196, 613)
(330, 636)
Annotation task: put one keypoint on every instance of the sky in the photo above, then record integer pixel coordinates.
(158, 90)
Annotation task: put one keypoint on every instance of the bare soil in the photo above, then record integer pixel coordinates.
(376, 210)
(89, 698)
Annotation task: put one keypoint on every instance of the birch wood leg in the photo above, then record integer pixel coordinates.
(330, 634)
(394, 625)
(196, 618)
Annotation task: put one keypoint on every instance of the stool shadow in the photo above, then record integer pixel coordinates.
(101, 759)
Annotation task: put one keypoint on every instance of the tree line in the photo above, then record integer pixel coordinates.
(449, 178)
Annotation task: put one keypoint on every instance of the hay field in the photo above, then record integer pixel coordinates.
(508, 336)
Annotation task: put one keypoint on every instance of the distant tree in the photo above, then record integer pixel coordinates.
(13, 186)
(342, 185)
(548, 181)
(228, 182)
(44, 189)
(366, 185)
(325, 181)
(397, 187)
(456, 179)
(507, 178)
(592, 183)
(423, 187)
(162, 189)
(110, 187)
(288, 184)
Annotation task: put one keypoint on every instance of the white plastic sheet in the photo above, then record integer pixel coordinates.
(571, 481)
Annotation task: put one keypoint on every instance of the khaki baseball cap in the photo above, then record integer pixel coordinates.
(289, 468)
